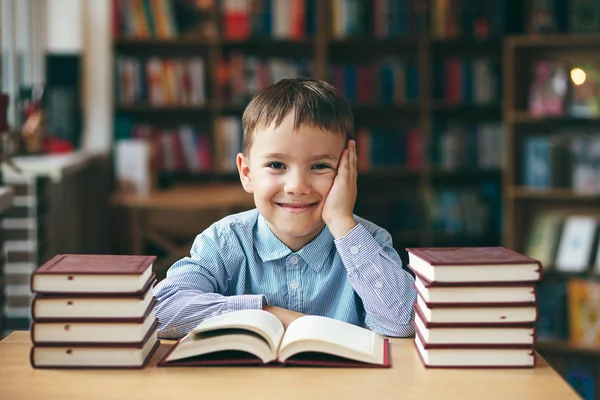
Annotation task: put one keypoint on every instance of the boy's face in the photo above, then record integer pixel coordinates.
(290, 174)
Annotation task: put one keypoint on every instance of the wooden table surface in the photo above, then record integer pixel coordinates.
(407, 379)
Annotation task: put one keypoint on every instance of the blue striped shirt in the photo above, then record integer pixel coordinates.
(237, 263)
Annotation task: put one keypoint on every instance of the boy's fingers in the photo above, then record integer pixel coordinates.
(343, 167)
(353, 158)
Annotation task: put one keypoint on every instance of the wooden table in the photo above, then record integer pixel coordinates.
(407, 379)
(171, 219)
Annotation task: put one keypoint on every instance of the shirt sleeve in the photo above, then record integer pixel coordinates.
(375, 272)
(196, 287)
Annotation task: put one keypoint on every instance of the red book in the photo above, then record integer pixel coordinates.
(474, 357)
(440, 294)
(256, 337)
(482, 315)
(473, 264)
(97, 355)
(93, 273)
(453, 336)
(94, 307)
(90, 333)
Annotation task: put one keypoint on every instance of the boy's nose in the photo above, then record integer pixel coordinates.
(297, 184)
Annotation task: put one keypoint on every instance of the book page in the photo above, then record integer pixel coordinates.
(258, 321)
(327, 335)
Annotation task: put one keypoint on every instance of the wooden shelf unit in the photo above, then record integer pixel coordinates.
(325, 49)
(522, 203)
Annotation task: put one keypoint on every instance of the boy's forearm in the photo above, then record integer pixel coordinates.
(386, 290)
(181, 310)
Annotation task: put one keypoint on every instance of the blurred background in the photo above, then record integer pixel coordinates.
(476, 122)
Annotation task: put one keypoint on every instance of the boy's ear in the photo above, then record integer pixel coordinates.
(244, 171)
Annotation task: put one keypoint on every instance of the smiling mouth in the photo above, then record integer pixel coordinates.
(296, 208)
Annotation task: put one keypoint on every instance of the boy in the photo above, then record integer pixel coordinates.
(302, 250)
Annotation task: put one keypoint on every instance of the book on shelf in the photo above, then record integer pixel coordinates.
(256, 337)
(542, 237)
(473, 264)
(98, 355)
(460, 294)
(583, 310)
(476, 357)
(576, 243)
(93, 273)
(473, 336)
(74, 307)
(477, 314)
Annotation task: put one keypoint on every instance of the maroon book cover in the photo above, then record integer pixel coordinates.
(139, 319)
(442, 256)
(96, 264)
(532, 353)
(153, 328)
(474, 345)
(419, 311)
(75, 346)
(232, 358)
(427, 283)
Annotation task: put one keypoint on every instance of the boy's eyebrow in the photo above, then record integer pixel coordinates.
(283, 156)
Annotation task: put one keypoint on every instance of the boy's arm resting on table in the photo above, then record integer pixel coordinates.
(194, 289)
(375, 272)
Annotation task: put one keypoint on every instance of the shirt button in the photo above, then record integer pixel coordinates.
(294, 284)
(354, 250)
(378, 284)
(294, 260)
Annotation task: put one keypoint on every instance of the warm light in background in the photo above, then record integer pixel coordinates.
(578, 76)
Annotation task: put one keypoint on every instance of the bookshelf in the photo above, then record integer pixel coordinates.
(549, 146)
(402, 190)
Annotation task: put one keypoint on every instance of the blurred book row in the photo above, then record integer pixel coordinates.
(470, 212)
(459, 145)
(380, 18)
(565, 89)
(240, 76)
(570, 159)
(564, 242)
(161, 19)
(473, 81)
(389, 81)
(277, 19)
(159, 82)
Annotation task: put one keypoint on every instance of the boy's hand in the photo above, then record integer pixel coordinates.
(339, 204)
(285, 316)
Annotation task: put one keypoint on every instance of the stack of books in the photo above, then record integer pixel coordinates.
(93, 311)
(475, 307)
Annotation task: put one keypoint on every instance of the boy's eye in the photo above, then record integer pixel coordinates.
(276, 165)
(321, 166)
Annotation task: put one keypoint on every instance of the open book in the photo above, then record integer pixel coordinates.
(249, 337)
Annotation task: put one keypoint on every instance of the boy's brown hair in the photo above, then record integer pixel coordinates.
(314, 102)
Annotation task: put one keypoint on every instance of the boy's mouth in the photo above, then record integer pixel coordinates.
(296, 208)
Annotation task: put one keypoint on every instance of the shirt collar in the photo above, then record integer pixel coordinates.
(270, 248)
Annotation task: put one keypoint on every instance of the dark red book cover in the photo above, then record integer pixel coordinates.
(419, 311)
(473, 345)
(442, 256)
(151, 330)
(427, 283)
(97, 264)
(135, 346)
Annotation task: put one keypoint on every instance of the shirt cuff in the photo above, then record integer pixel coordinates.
(357, 247)
(246, 302)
